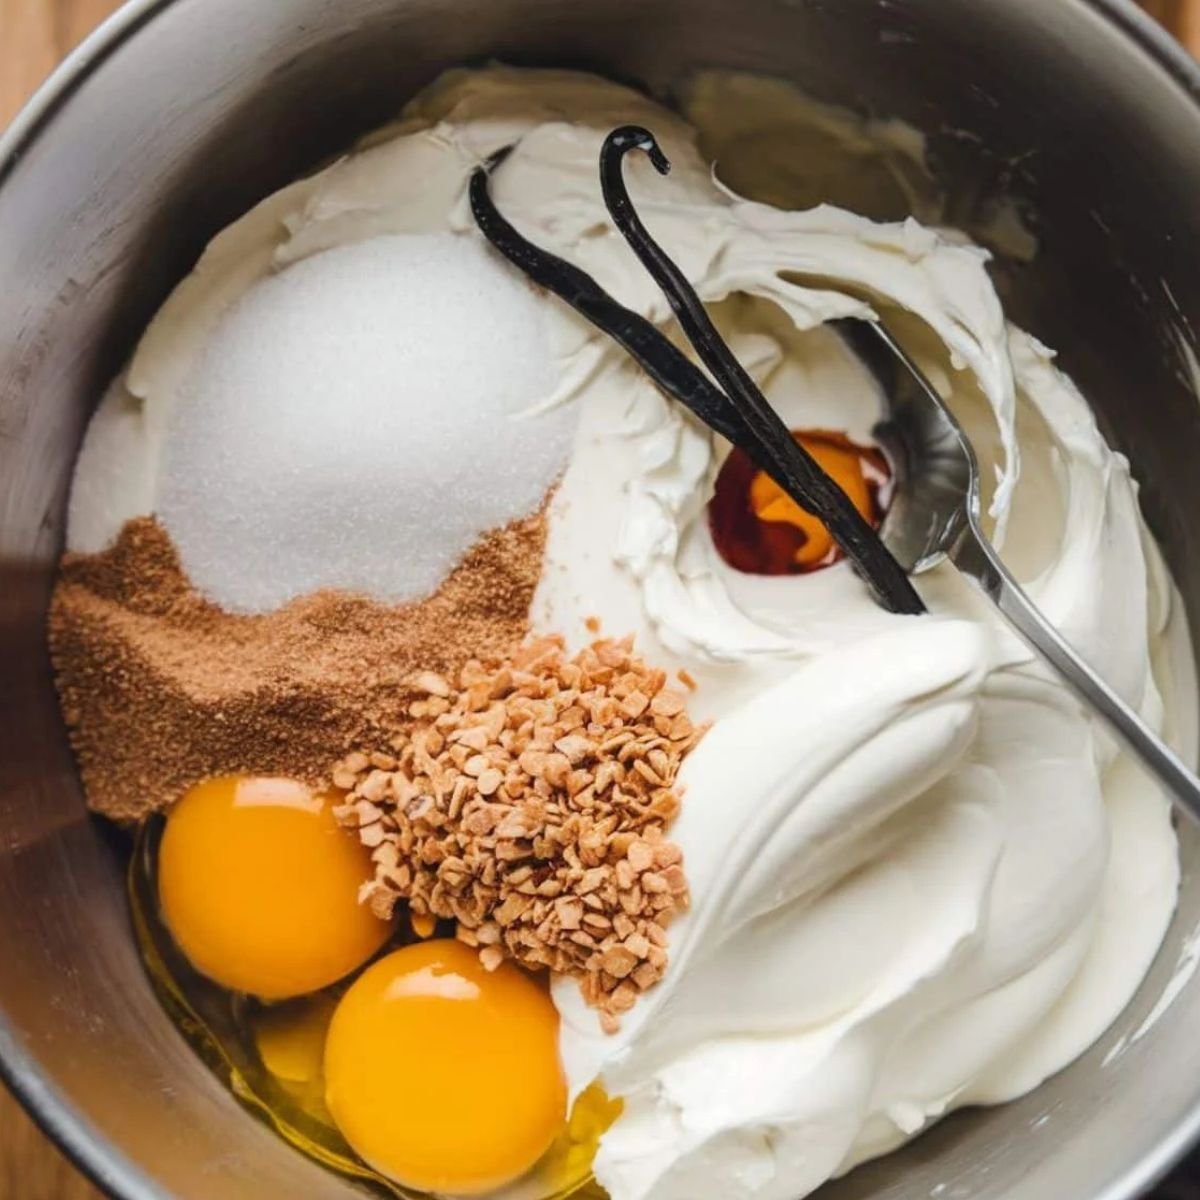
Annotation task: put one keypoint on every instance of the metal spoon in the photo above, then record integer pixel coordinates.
(936, 515)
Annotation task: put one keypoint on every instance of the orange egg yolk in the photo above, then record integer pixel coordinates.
(443, 1076)
(758, 528)
(259, 887)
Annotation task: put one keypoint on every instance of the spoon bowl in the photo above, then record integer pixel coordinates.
(936, 474)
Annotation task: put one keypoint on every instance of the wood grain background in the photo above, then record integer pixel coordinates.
(34, 35)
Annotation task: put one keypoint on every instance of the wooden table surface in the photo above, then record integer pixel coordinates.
(34, 35)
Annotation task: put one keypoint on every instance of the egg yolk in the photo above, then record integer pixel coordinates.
(758, 528)
(443, 1076)
(259, 887)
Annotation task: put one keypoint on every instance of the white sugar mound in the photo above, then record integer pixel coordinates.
(356, 422)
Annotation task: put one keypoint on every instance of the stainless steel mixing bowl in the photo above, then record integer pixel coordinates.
(179, 114)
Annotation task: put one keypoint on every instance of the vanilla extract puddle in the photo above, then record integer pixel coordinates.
(269, 1056)
(759, 530)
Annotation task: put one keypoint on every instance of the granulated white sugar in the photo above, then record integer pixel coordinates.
(355, 422)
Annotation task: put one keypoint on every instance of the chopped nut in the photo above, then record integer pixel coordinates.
(375, 786)
(661, 763)
(575, 747)
(433, 684)
(640, 856)
(667, 703)
(488, 934)
(646, 976)
(491, 957)
(618, 961)
(592, 879)
(624, 997)
(356, 763)
(475, 738)
(570, 912)
(681, 728)
(489, 782)
(638, 945)
(556, 770)
(675, 879)
(527, 802)
(666, 854)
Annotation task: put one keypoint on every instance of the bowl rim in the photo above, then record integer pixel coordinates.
(61, 1121)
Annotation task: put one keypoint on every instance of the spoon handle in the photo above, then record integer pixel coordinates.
(977, 559)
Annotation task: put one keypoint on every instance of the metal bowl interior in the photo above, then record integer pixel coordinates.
(181, 113)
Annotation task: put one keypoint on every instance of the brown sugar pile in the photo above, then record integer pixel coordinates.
(529, 802)
(160, 687)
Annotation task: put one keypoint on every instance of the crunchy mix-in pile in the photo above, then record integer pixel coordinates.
(529, 802)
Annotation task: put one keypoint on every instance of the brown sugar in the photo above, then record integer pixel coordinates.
(161, 688)
(529, 800)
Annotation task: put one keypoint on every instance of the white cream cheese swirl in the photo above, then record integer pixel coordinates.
(923, 877)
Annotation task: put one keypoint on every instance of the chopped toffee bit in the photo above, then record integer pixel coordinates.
(529, 802)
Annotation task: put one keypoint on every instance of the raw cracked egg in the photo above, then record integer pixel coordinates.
(259, 886)
(442, 1075)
